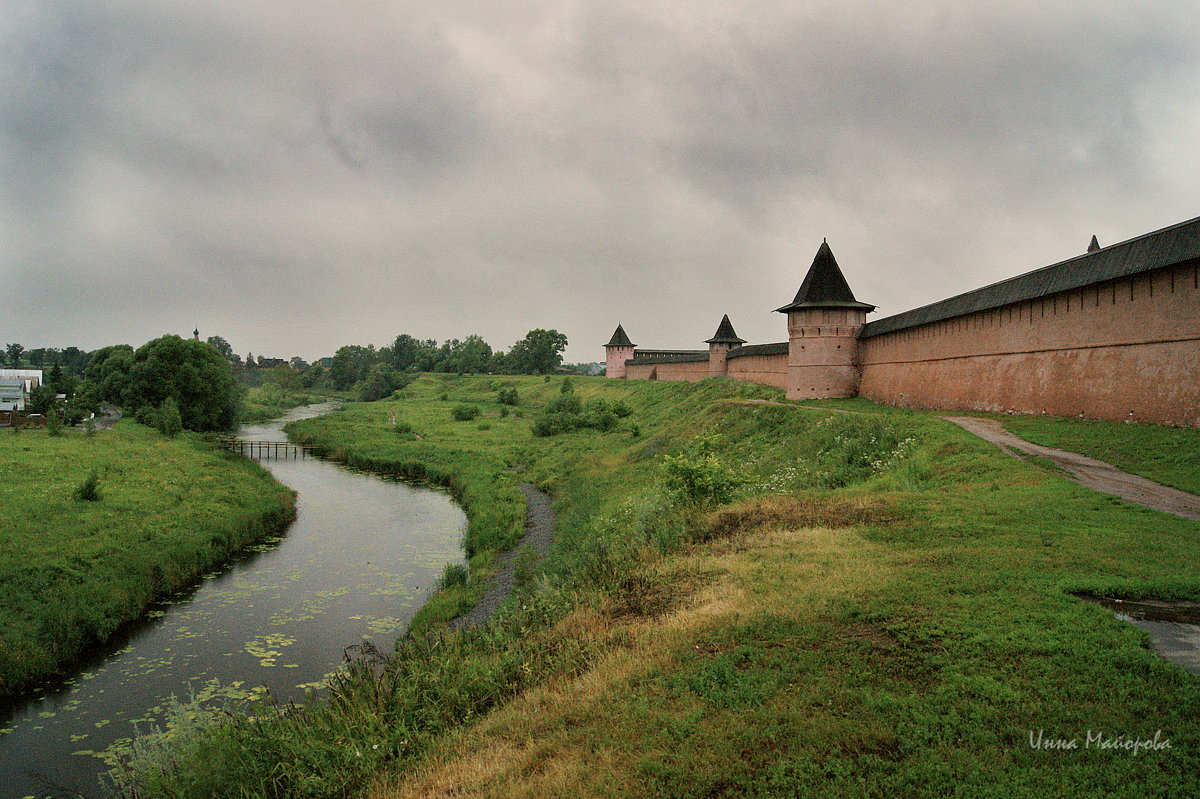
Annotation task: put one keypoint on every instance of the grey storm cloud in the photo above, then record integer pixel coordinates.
(296, 176)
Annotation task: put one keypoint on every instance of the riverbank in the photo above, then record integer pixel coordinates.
(73, 571)
(790, 604)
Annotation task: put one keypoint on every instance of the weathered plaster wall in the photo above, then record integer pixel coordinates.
(768, 370)
(1121, 349)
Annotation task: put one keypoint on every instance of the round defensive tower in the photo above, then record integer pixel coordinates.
(617, 351)
(823, 324)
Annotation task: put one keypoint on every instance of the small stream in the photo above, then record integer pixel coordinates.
(357, 563)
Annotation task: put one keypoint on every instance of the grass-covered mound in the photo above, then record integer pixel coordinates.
(744, 598)
(95, 528)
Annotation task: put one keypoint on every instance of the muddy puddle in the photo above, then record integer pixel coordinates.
(1174, 627)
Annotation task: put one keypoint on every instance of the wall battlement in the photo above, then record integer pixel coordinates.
(1111, 334)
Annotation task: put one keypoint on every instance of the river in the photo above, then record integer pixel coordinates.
(357, 563)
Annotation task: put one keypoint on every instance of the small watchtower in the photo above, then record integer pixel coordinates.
(724, 340)
(823, 324)
(617, 351)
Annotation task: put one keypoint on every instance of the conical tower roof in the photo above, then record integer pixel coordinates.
(725, 334)
(824, 286)
(1094, 245)
(619, 339)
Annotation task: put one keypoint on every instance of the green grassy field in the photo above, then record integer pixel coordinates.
(885, 606)
(73, 571)
(269, 401)
(1168, 455)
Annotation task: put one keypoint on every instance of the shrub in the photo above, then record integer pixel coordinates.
(697, 476)
(508, 396)
(565, 413)
(403, 428)
(168, 420)
(566, 387)
(551, 424)
(89, 489)
(464, 413)
(54, 423)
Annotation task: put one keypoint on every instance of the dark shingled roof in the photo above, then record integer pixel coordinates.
(679, 356)
(1167, 247)
(619, 339)
(759, 349)
(725, 334)
(824, 286)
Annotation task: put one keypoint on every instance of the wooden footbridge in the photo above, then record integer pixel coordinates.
(260, 450)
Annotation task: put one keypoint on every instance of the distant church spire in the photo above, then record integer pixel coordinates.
(196, 333)
(1095, 245)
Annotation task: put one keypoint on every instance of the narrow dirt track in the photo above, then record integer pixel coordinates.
(1094, 474)
(539, 534)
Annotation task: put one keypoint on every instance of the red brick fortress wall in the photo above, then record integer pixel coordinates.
(1127, 348)
(768, 368)
(651, 370)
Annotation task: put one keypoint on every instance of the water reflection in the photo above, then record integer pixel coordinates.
(1174, 627)
(357, 563)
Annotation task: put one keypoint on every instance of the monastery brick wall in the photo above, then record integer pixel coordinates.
(667, 370)
(767, 370)
(1121, 349)
(1112, 334)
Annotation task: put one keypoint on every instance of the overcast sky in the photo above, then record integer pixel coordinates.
(294, 176)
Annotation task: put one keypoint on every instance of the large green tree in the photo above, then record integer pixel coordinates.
(540, 352)
(222, 346)
(192, 373)
(472, 355)
(109, 371)
(351, 364)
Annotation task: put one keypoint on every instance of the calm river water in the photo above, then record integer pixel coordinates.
(357, 563)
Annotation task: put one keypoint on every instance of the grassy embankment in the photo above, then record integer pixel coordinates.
(886, 610)
(73, 571)
(1167, 455)
(269, 401)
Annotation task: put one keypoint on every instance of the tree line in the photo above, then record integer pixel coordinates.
(173, 382)
(377, 372)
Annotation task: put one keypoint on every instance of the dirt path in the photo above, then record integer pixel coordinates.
(539, 533)
(1089, 472)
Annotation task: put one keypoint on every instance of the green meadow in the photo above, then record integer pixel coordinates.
(1167, 455)
(269, 401)
(744, 598)
(73, 570)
